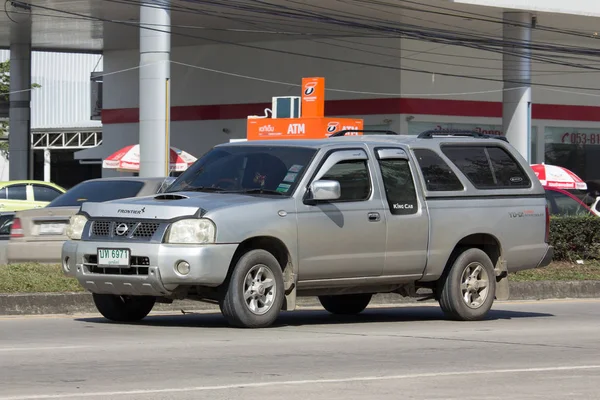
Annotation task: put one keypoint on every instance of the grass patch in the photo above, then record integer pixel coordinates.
(36, 278)
(41, 278)
(559, 271)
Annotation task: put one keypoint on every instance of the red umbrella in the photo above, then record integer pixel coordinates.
(128, 159)
(558, 177)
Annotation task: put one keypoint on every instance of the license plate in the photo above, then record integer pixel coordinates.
(52, 229)
(113, 258)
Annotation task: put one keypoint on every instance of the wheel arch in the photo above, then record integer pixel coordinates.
(282, 254)
(490, 245)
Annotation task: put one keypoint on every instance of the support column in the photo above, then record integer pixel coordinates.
(516, 98)
(47, 165)
(155, 49)
(19, 137)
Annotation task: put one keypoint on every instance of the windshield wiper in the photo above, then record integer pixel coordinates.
(202, 189)
(257, 190)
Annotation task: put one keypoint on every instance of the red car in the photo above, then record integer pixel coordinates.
(562, 203)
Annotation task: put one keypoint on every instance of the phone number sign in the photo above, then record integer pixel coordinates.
(574, 136)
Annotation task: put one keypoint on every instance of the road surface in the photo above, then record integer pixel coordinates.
(527, 350)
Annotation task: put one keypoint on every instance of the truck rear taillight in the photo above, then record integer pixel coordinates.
(547, 225)
(16, 230)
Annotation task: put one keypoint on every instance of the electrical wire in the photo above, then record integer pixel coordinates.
(235, 5)
(313, 56)
(324, 58)
(346, 91)
(232, 4)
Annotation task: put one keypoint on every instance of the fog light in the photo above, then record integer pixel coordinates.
(183, 267)
(66, 264)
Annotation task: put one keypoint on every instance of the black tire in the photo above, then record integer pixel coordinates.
(123, 308)
(233, 304)
(451, 297)
(346, 304)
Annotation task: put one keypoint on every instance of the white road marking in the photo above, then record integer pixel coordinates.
(9, 349)
(297, 382)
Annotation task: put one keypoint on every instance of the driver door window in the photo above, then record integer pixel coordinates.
(353, 176)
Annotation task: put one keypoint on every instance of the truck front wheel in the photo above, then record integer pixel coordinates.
(346, 304)
(255, 292)
(123, 308)
(468, 290)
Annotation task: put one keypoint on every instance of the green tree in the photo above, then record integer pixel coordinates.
(4, 96)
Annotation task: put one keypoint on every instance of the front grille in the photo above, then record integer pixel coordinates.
(139, 265)
(101, 228)
(124, 229)
(146, 230)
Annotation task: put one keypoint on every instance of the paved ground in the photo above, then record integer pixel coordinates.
(528, 350)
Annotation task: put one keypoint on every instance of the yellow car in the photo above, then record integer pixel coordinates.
(25, 195)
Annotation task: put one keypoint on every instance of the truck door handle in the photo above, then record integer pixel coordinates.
(374, 216)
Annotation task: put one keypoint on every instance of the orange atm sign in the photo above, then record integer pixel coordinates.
(300, 128)
(311, 125)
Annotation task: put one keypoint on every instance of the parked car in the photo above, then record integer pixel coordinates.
(253, 225)
(37, 235)
(6, 220)
(563, 203)
(24, 195)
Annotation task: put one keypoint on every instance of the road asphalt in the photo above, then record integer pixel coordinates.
(525, 350)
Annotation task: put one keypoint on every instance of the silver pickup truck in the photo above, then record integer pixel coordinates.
(254, 225)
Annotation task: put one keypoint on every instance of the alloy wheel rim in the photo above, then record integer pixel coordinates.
(474, 285)
(259, 289)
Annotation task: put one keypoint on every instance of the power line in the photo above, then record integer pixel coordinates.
(232, 4)
(279, 51)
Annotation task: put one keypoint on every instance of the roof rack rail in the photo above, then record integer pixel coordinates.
(343, 133)
(459, 132)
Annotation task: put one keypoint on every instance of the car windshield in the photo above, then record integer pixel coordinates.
(246, 169)
(97, 191)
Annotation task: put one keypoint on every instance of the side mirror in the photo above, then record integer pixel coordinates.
(325, 190)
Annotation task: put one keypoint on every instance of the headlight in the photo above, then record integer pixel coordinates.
(75, 228)
(196, 231)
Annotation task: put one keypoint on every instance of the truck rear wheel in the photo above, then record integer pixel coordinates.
(123, 308)
(346, 304)
(467, 293)
(255, 292)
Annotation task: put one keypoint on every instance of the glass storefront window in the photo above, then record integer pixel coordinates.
(576, 149)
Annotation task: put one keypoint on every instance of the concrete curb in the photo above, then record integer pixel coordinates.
(81, 303)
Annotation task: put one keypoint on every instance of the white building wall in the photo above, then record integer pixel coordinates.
(63, 100)
(191, 85)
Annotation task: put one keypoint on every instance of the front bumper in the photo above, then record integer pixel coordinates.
(156, 275)
(547, 257)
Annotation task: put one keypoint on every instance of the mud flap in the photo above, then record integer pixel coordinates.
(289, 303)
(502, 286)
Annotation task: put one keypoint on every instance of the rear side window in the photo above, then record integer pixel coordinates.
(399, 186)
(17, 192)
(437, 174)
(45, 193)
(488, 167)
(97, 191)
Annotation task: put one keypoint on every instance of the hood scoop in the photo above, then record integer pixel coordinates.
(170, 196)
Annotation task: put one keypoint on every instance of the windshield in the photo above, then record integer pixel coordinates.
(97, 191)
(264, 169)
(585, 196)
